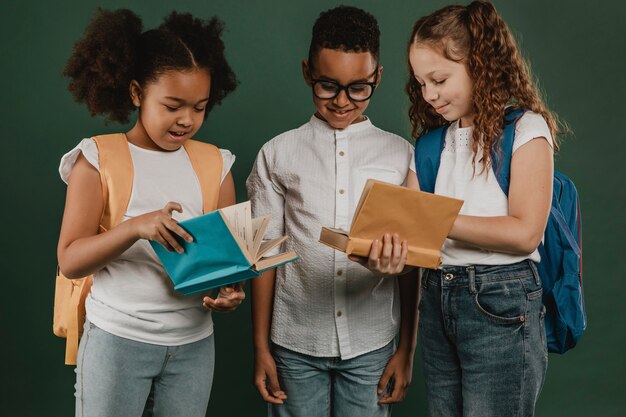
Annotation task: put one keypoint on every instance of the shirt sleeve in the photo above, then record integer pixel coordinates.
(228, 159)
(267, 195)
(530, 126)
(89, 150)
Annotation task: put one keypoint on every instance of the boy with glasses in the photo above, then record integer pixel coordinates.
(332, 322)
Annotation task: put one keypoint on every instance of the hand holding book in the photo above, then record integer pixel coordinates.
(228, 298)
(423, 219)
(387, 256)
(227, 248)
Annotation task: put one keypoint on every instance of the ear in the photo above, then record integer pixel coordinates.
(135, 92)
(306, 73)
(380, 75)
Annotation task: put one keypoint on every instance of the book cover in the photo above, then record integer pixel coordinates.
(422, 219)
(228, 247)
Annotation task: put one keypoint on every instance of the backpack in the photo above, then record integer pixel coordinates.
(116, 176)
(560, 267)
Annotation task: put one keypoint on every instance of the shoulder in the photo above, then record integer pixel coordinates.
(390, 139)
(286, 139)
(530, 126)
(228, 159)
(88, 148)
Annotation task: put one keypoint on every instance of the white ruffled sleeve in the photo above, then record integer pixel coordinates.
(89, 150)
(228, 159)
(411, 171)
(530, 126)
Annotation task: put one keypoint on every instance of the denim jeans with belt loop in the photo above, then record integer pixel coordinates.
(483, 340)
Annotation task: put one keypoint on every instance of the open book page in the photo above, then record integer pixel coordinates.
(267, 246)
(259, 226)
(239, 219)
(276, 260)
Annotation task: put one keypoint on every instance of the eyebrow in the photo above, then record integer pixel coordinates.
(429, 75)
(438, 71)
(180, 100)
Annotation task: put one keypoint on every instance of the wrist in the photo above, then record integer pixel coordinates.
(261, 348)
(406, 348)
(129, 229)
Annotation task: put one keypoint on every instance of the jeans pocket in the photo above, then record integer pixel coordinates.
(503, 302)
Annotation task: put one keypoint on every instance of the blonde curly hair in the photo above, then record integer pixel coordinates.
(477, 36)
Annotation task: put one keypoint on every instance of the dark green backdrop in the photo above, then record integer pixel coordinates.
(576, 49)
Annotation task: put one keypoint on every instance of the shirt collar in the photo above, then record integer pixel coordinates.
(324, 127)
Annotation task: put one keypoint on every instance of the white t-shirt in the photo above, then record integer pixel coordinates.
(132, 296)
(481, 192)
(313, 176)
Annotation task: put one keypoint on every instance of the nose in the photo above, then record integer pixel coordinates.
(185, 119)
(430, 94)
(342, 99)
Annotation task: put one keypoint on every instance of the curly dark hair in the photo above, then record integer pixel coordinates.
(114, 51)
(478, 36)
(347, 28)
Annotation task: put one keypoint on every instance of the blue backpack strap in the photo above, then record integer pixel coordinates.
(428, 149)
(501, 158)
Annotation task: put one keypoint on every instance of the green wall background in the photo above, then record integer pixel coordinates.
(576, 48)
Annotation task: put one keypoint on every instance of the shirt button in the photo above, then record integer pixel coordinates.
(341, 191)
(339, 313)
(340, 272)
(341, 153)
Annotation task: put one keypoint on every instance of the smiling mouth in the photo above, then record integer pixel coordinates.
(177, 134)
(441, 108)
(340, 113)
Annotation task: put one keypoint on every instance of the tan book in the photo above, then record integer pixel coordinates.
(422, 219)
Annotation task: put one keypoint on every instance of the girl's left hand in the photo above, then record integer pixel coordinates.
(389, 262)
(228, 298)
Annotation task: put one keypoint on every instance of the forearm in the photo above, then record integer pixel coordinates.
(262, 304)
(86, 255)
(502, 233)
(409, 285)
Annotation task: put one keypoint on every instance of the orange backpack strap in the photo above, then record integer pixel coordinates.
(116, 175)
(206, 160)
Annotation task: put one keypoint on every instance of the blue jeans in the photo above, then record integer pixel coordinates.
(114, 376)
(483, 340)
(324, 387)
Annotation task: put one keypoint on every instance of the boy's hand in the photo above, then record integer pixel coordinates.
(390, 261)
(266, 378)
(228, 298)
(159, 225)
(399, 369)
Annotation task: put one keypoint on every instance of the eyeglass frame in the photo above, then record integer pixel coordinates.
(345, 88)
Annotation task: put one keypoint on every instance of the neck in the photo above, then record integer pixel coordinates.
(139, 137)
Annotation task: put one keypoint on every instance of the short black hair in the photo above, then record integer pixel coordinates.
(115, 50)
(346, 28)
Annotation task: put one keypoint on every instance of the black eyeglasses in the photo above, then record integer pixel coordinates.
(329, 89)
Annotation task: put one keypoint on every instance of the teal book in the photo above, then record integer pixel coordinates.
(228, 247)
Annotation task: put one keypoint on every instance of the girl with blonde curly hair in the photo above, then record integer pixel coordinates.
(481, 313)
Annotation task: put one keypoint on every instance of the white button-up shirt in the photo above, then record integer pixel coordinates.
(324, 304)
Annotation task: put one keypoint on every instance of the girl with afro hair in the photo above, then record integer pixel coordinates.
(141, 335)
